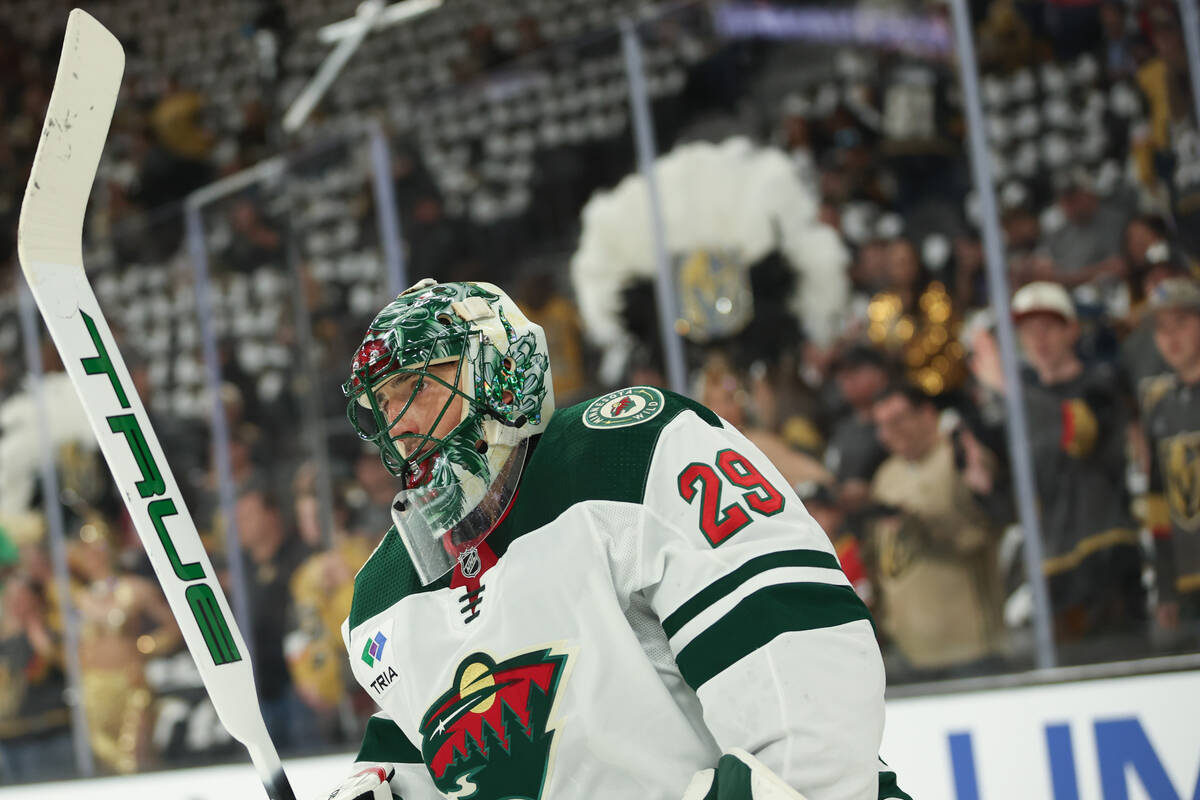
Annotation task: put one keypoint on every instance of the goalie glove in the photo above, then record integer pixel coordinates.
(739, 775)
(369, 783)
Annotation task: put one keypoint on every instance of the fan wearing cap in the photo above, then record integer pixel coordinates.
(1171, 421)
(1076, 430)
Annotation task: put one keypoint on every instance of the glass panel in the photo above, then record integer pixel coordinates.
(824, 240)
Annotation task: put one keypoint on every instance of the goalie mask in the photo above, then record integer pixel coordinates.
(459, 458)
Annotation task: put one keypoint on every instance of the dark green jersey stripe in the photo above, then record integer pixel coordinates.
(888, 788)
(573, 463)
(733, 780)
(762, 616)
(386, 578)
(384, 741)
(724, 585)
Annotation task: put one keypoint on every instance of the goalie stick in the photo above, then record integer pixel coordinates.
(50, 248)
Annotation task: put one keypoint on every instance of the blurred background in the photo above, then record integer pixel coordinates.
(824, 242)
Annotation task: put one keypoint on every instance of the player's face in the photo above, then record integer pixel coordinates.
(1177, 336)
(425, 414)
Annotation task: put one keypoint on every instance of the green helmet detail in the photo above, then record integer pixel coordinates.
(501, 373)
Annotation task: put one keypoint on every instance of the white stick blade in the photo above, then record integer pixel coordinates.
(77, 120)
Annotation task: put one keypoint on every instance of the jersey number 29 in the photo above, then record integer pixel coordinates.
(718, 523)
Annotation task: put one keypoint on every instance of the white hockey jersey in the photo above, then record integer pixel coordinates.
(657, 594)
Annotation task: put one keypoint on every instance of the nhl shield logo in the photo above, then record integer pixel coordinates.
(469, 562)
(488, 737)
(623, 408)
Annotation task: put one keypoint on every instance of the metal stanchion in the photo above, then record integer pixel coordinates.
(306, 381)
(58, 544)
(1189, 18)
(386, 212)
(223, 465)
(643, 134)
(1017, 428)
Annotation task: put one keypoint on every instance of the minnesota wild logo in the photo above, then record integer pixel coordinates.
(487, 737)
(623, 408)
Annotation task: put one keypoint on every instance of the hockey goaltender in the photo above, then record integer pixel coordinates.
(620, 599)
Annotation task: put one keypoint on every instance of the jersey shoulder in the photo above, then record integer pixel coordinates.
(386, 578)
(600, 449)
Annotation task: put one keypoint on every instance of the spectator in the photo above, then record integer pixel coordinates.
(869, 272)
(116, 638)
(1119, 60)
(1139, 358)
(795, 137)
(256, 243)
(275, 552)
(35, 735)
(1022, 231)
(529, 36)
(970, 280)
(178, 160)
(320, 590)
(854, 451)
(723, 391)
(1005, 41)
(915, 320)
(435, 240)
(1171, 419)
(1087, 247)
(243, 474)
(1073, 26)
(559, 317)
(936, 559)
(1077, 434)
(1167, 159)
(370, 497)
(820, 501)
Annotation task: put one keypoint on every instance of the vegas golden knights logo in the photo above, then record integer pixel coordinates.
(1180, 459)
(899, 542)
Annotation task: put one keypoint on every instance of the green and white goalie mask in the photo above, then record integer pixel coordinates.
(456, 487)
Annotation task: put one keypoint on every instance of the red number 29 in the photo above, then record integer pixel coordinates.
(717, 523)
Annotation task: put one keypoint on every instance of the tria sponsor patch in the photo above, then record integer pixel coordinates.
(383, 680)
(373, 649)
(623, 408)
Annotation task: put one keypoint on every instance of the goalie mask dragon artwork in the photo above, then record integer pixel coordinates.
(457, 486)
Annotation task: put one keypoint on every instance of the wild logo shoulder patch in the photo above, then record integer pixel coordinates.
(624, 407)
